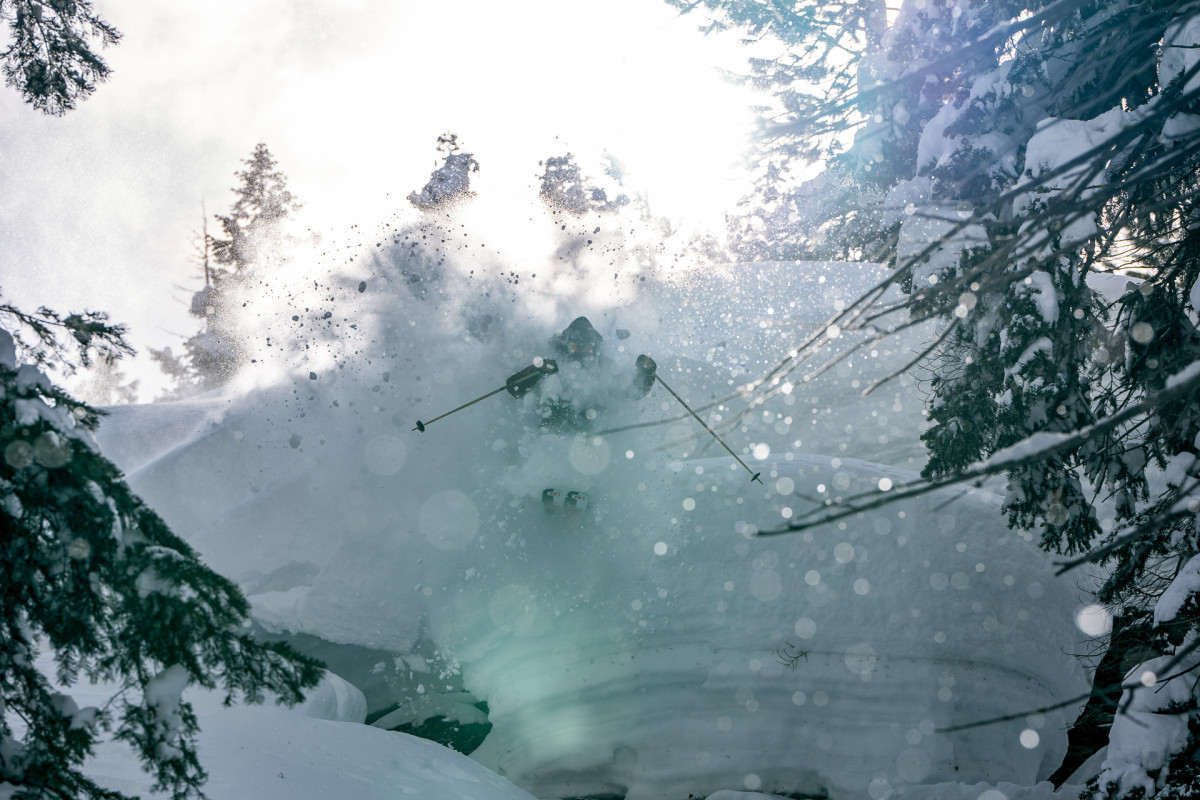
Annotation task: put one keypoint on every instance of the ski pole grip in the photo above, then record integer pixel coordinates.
(520, 383)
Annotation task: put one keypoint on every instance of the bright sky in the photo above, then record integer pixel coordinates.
(99, 208)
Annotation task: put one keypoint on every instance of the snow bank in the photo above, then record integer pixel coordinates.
(336, 700)
(315, 751)
(271, 753)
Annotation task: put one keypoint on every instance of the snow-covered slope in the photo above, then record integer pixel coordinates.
(638, 651)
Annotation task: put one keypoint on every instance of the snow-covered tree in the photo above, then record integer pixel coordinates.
(1031, 171)
(51, 59)
(263, 201)
(565, 188)
(231, 266)
(50, 340)
(95, 580)
(450, 183)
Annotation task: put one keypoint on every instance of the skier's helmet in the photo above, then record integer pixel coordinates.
(578, 342)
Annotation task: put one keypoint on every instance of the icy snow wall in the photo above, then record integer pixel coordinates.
(640, 650)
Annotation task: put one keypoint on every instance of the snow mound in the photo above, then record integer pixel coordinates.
(336, 700)
(314, 751)
(272, 753)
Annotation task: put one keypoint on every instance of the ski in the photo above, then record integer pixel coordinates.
(571, 504)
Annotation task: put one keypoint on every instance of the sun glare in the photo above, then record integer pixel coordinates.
(632, 84)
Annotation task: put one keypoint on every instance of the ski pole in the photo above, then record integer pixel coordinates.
(754, 476)
(548, 367)
(421, 425)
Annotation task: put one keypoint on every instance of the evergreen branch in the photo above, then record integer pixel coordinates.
(1110, 691)
(1025, 452)
(1154, 524)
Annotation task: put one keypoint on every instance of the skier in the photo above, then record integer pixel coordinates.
(578, 346)
(575, 395)
(571, 401)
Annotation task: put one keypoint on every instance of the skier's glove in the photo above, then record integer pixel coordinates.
(520, 383)
(646, 372)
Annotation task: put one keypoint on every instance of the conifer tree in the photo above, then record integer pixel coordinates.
(51, 59)
(450, 183)
(263, 201)
(92, 576)
(565, 188)
(232, 267)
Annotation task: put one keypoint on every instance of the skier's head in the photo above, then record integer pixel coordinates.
(578, 342)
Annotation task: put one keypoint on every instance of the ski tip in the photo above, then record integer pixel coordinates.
(755, 477)
(420, 426)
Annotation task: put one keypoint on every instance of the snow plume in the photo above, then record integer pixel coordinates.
(633, 650)
(355, 339)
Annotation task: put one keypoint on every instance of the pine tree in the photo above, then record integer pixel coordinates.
(450, 183)
(1006, 159)
(93, 576)
(564, 188)
(263, 202)
(51, 60)
(232, 267)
